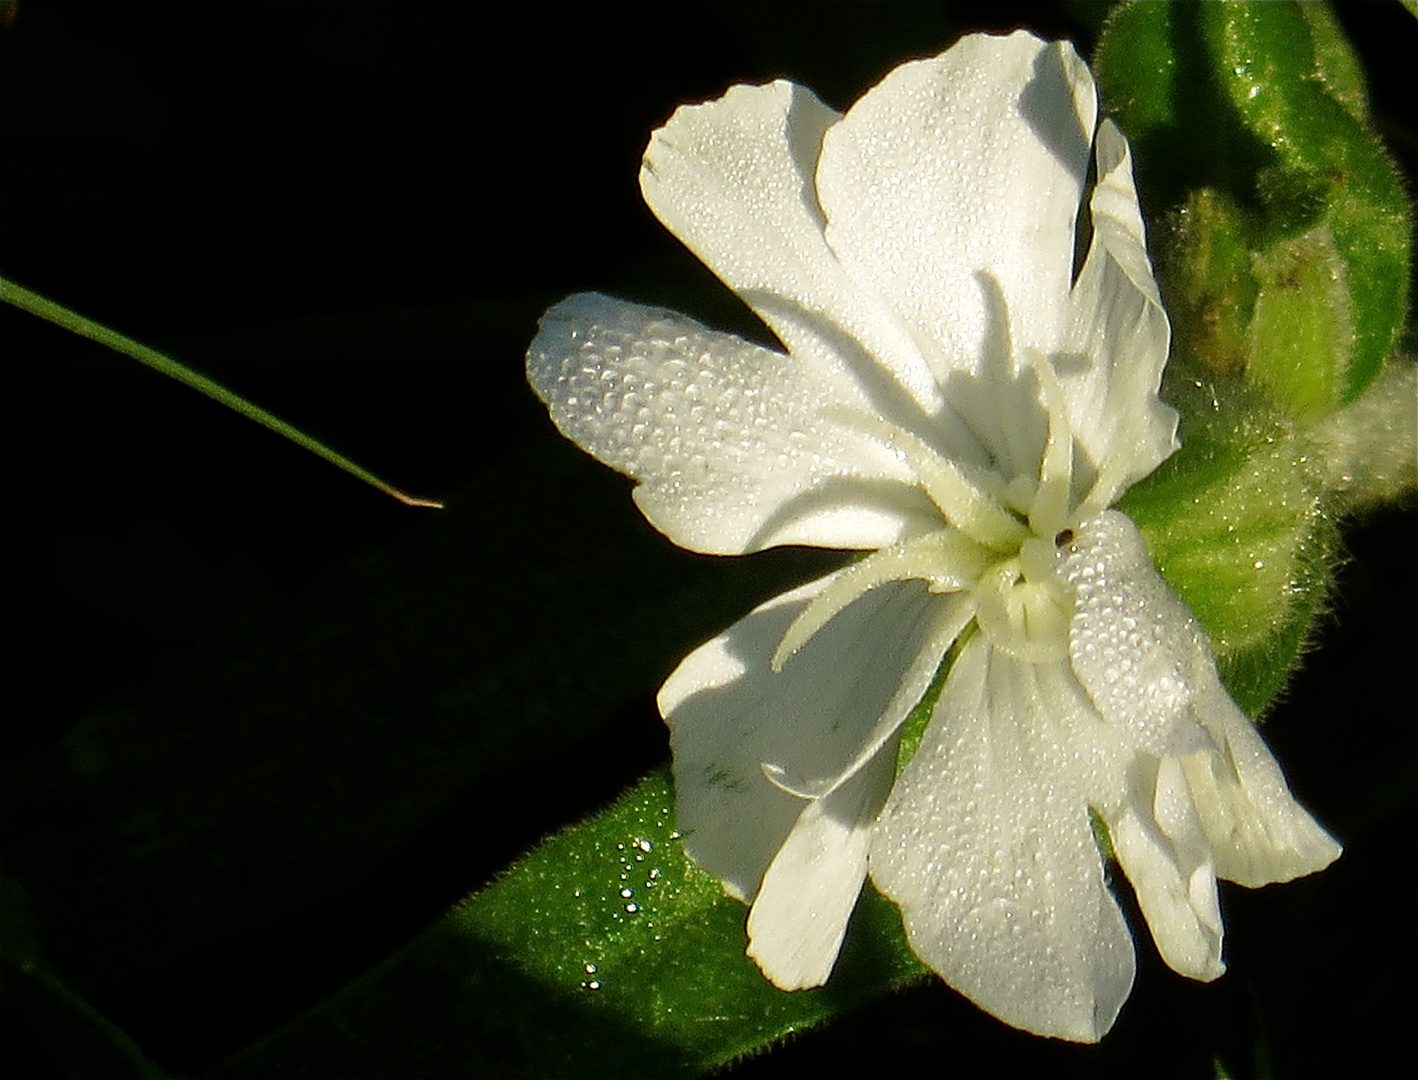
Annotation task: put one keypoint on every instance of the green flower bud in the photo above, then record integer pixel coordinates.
(1251, 128)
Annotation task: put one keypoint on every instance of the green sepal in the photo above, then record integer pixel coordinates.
(1210, 283)
(1302, 326)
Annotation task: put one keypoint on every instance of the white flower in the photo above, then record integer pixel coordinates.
(955, 399)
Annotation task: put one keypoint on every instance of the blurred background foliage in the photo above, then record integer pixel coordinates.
(266, 725)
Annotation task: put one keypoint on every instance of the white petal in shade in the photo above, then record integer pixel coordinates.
(816, 722)
(800, 916)
(733, 179)
(1259, 833)
(725, 436)
(1115, 346)
(1162, 849)
(965, 166)
(986, 845)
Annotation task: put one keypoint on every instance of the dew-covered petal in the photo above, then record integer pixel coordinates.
(733, 180)
(1133, 644)
(726, 437)
(1162, 849)
(1258, 833)
(986, 845)
(1111, 358)
(1145, 664)
(965, 167)
(812, 724)
(800, 915)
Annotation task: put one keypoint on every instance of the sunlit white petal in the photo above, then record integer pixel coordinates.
(1144, 662)
(1164, 852)
(800, 915)
(986, 845)
(1259, 833)
(833, 705)
(967, 165)
(1111, 356)
(725, 436)
(1133, 644)
(733, 179)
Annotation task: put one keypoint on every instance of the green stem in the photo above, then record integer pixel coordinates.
(35, 304)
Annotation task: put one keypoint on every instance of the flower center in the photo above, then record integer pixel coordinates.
(1023, 606)
(998, 543)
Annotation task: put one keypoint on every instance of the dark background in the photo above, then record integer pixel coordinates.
(352, 214)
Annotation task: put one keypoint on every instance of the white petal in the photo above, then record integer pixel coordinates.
(800, 915)
(725, 436)
(732, 179)
(1147, 667)
(835, 701)
(986, 844)
(1162, 849)
(1258, 832)
(1134, 645)
(1112, 356)
(964, 168)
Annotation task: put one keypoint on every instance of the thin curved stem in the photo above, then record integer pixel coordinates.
(47, 309)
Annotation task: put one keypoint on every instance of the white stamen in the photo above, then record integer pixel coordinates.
(946, 560)
(957, 497)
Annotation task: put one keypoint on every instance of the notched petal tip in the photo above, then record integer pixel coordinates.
(1161, 846)
(821, 724)
(1259, 833)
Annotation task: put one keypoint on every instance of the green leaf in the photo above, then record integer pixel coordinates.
(605, 952)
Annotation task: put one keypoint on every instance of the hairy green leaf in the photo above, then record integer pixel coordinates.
(605, 952)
